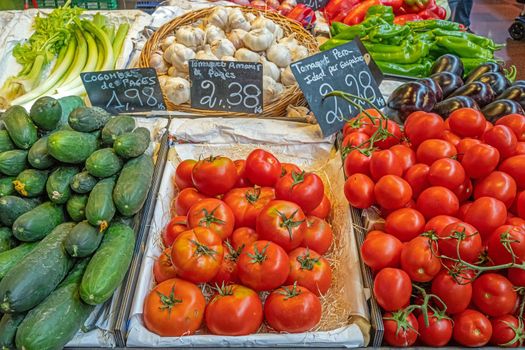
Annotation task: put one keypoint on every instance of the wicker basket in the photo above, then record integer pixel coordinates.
(292, 94)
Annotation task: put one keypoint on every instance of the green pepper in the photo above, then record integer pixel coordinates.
(338, 27)
(376, 47)
(476, 39)
(425, 36)
(406, 54)
(386, 13)
(419, 69)
(330, 44)
(351, 32)
(429, 24)
(387, 32)
(463, 47)
(471, 63)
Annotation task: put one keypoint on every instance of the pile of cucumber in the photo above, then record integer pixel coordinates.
(70, 177)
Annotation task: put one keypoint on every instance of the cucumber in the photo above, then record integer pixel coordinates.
(132, 144)
(83, 240)
(13, 162)
(83, 182)
(7, 240)
(8, 326)
(71, 146)
(109, 265)
(38, 155)
(31, 182)
(5, 141)
(6, 186)
(46, 113)
(38, 222)
(87, 119)
(76, 207)
(57, 185)
(117, 126)
(58, 318)
(29, 282)
(68, 104)
(103, 163)
(133, 185)
(100, 208)
(11, 207)
(12, 257)
(21, 129)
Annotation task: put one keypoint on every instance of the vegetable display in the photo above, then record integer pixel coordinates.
(289, 8)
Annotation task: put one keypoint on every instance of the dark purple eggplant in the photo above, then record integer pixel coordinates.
(519, 82)
(497, 81)
(433, 86)
(515, 93)
(448, 63)
(408, 98)
(446, 107)
(489, 67)
(478, 91)
(449, 82)
(500, 108)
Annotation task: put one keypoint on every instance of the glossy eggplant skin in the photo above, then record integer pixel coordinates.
(434, 87)
(446, 107)
(476, 90)
(500, 108)
(515, 93)
(408, 98)
(519, 82)
(448, 63)
(497, 81)
(489, 67)
(449, 82)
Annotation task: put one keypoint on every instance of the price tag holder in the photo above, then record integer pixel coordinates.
(124, 90)
(226, 86)
(343, 68)
(314, 4)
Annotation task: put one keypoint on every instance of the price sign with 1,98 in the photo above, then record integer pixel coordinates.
(226, 86)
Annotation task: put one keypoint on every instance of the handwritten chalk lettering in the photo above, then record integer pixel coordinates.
(314, 4)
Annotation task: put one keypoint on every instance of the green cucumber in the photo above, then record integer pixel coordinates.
(13, 162)
(46, 113)
(87, 119)
(76, 207)
(31, 182)
(83, 182)
(38, 222)
(117, 126)
(39, 157)
(29, 282)
(132, 144)
(7, 240)
(8, 326)
(21, 129)
(12, 257)
(100, 208)
(109, 265)
(68, 104)
(71, 146)
(103, 163)
(133, 185)
(11, 207)
(6, 186)
(83, 240)
(57, 185)
(5, 141)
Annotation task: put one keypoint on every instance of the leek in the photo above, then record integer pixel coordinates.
(79, 62)
(118, 43)
(109, 57)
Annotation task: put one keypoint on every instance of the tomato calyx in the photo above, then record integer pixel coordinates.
(506, 240)
(253, 197)
(210, 218)
(401, 319)
(258, 257)
(425, 305)
(224, 290)
(203, 249)
(232, 254)
(288, 222)
(519, 333)
(289, 292)
(211, 158)
(168, 301)
(307, 262)
(297, 178)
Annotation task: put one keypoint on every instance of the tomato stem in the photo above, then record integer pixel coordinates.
(203, 250)
(297, 178)
(289, 293)
(210, 218)
(253, 197)
(168, 301)
(288, 222)
(258, 257)
(307, 262)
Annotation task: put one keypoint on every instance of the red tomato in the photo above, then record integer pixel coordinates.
(247, 202)
(243, 237)
(520, 148)
(437, 200)
(182, 178)
(450, 137)
(421, 126)
(395, 134)
(446, 172)
(309, 270)
(493, 294)
(438, 223)
(392, 192)
(419, 260)
(214, 175)
(503, 238)
(383, 163)
(498, 185)
(304, 189)
(262, 168)
(516, 122)
(213, 214)
(507, 331)
(503, 139)
(431, 150)
(361, 123)
(176, 225)
(228, 269)
(417, 178)
(462, 237)
(380, 250)
(401, 330)
(292, 309)
(263, 266)
(184, 200)
(467, 122)
(456, 292)
(515, 167)
(464, 145)
(488, 126)
(392, 289)
(439, 330)
(516, 277)
(243, 307)
(355, 139)
(520, 204)
(163, 268)
(515, 221)
(323, 210)
(405, 224)
(287, 168)
(356, 162)
(242, 181)
(318, 235)
(464, 191)
(480, 160)
(486, 214)
(472, 328)
(463, 210)
(406, 155)
(359, 191)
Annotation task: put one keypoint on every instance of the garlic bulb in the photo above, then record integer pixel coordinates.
(177, 90)
(166, 42)
(263, 22)
(219, 18)
(287, 77)
(270, 69)
(280, 55)
(245, 55)
(258, 39)
(228, 58)
(178, 55)
(222, 47)
(214, 33)
(271, 89)
(190, 36)
(205, 54)
(299, 52)
(290, 42)
(279, 33)
(173, 72)
(236, 20)
(157, 61)
(162, 80)
(250, 17)
(235, 36)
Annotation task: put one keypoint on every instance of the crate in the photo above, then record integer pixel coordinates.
(147, 6)
(87, 4)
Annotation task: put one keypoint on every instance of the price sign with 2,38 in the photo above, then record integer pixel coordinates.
(226, 86)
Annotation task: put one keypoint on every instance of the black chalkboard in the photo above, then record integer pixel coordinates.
(342, 68)
(226, 86)
(124, 90)
(314, 4)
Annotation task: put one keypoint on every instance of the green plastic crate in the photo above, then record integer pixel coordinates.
(87, 4)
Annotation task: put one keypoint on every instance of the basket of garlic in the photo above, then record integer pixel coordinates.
(230, 34)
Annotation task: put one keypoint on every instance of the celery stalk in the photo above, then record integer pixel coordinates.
(98, 33)
(78, 63)
(100, 57)
(60, 58)
(118, 43)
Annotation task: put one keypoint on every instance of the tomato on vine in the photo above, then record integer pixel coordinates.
(507, 331)
(439, 330)
(472, 328)
(401, 328)
(493, 294)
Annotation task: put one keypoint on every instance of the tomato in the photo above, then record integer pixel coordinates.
(292, 309)
(243, 237)
(197, 254)
(503, 139)
(263, 266)
(515, 221)
(520, 204)
(356, 162)
(242, 306)
(439, 330)
(182, 178)
(417, 178)
(309, 270)
(228, 269)
(462, 237)
(520, 148)
(486, 214)
(406, 155)
(214, 175)
(515, 167)
(503, 238)
(516, 122)
(359, 191)
(242, 181)
(322, 210)
(287, 168)
(456, 292)
(184, 200)
(304, 189)
(464, 191)
(488, 126)
(438, 223)
(498, 185)
(467, 122)
(472, 328)
(480, 160)
(463, 210)
(405, 224)
(163, 268)
(421, 126)
(464, 145)
(355, 139)
(383, 163)
(446, 172)
(392, 289)
(392, 192)
(174, 227)
(493, 294)
(174, 308)
(361, 123)
(419, 260)
(247, 202)
(516, 276)
(437, 200)
(507, 331)
(380, 250)
(401, 330)
(214, 214)
(262, 168)
(395, 134)
(450, 137)
(318, 235)
(433, 149)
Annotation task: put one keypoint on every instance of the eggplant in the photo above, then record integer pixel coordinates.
(500, 108)
(515, 93)
(497, 81)
(449, 82)
(488, 67)
(408, 98)
(446, 107)
(519, 82)
(433, 86)
(478, 91)
(448, 63)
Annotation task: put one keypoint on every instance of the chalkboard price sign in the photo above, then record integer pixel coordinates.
(343, 68)
(314, 4)
(226, 86)
(124, 90)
